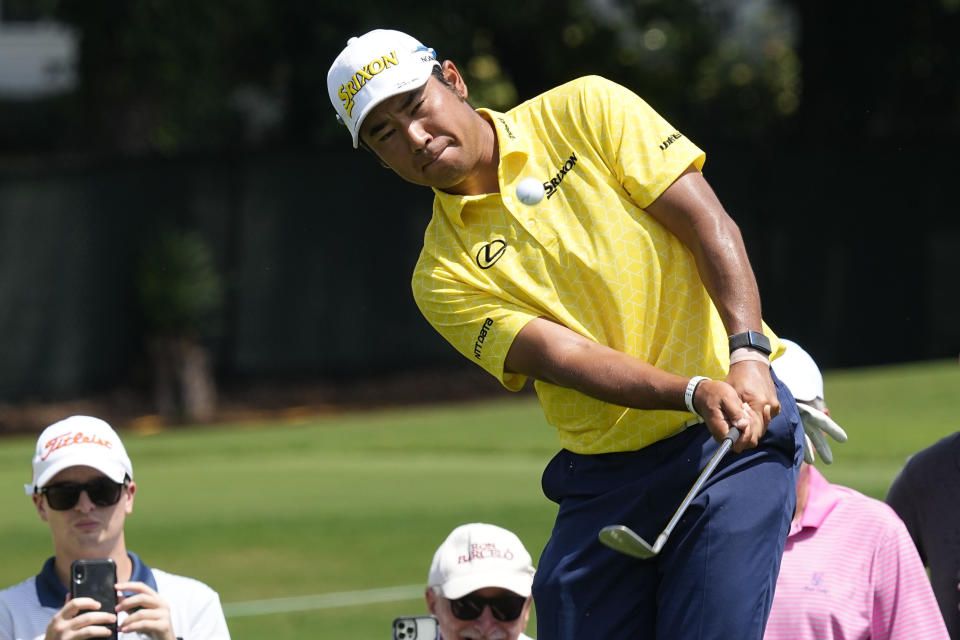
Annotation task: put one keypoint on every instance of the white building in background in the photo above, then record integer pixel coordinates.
(37, 58)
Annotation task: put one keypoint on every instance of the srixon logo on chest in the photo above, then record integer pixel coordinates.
(554, 184)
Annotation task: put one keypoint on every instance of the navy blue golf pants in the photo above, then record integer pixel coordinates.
(714, 578)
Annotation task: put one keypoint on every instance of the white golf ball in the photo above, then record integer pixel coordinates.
(530, 191)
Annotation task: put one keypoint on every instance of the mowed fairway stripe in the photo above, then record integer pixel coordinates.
(322, 601)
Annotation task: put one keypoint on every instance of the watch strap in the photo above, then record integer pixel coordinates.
(692, 385)
(752, 340)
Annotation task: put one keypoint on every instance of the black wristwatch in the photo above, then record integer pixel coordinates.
(751, 339)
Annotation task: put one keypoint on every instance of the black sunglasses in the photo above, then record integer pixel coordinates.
(102, 492)
(503, 608)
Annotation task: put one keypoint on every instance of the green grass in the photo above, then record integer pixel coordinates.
(889, 413)
(341, 503)
(360, 501)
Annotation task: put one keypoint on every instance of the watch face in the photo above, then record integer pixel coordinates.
(752, 339)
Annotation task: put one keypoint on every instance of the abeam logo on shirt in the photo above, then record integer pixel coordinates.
(481, 337)
(361, 76)
(554, 184)
(673, 137)
(489, 253)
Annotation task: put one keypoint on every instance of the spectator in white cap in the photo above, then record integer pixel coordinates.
(83, 488)
(479, 584)
(849, 569)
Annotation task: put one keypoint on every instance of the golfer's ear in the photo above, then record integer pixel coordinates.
(456, 81)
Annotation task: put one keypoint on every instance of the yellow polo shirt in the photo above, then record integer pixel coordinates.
(587, 256)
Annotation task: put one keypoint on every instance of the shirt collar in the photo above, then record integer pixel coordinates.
(822, 497)
(512, 138)
(52, 593)
(512, 142)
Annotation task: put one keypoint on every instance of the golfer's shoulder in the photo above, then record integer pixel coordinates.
(589, 83)
(584, 89)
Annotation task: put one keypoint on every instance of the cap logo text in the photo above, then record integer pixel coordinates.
(484, 551)
(67, 439)
(360, 77)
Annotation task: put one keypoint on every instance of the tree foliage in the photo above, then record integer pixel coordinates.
(174, 76)
(879, 71)
(179, 285)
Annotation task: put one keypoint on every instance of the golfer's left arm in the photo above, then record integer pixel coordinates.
(690, 210)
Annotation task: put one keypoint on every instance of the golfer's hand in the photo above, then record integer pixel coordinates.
(148, 612)
(720, 407)
(67, 625)
(815, 424)
(753, 383)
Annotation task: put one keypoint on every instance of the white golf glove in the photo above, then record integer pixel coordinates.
(815, 424)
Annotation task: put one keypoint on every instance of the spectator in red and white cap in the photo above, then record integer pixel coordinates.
(83, 488)
(479, 584)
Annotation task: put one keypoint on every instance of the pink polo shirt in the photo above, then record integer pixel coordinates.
(850, 571)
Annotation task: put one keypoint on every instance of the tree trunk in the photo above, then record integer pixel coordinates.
(183, 383)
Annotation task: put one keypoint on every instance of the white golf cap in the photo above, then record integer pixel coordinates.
(373, 67)
(799, 372)
(477, 556)
(79, 441)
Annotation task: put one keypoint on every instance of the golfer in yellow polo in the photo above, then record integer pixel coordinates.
(626, 294)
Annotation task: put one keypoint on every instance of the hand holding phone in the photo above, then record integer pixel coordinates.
(96, 579)
(415, 628)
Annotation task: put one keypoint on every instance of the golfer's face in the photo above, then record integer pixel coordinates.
(427, 136)
(484, 627)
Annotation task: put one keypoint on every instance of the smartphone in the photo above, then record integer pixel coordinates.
(415, 628)
(96, 579)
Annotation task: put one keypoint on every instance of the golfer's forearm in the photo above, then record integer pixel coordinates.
(619, 379)
(690, 210)
(727, 276)
(552, 353)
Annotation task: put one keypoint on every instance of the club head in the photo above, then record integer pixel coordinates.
(623, 539)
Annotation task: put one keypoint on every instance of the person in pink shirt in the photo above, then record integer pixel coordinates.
(850, 569)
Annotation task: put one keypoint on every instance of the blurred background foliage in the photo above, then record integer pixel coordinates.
(179, 286)
(180, 76)
(829, 126)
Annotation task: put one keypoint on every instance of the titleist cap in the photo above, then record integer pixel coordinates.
(79, 441)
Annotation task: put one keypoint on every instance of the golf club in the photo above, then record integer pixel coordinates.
(623, 539)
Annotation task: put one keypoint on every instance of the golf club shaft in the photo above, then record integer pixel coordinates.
(732, 436)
